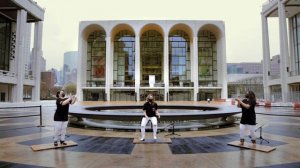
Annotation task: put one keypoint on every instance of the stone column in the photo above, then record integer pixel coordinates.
(195, 71)
(137, 69)
(108, 68)
(166, 66)
(266, 57)
(37, 57)
(221, 62)
(284, 53)
(20, 42)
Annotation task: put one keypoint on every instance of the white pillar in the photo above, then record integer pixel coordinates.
(292, 55)
(81, 66)
(137, 71)
(166, 65)
(221, 62)
(108, 68)
(37, 55)
(194, 65)
(284, 53)
(20, 42)
(266, 57)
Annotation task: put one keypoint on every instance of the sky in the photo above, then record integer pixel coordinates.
(242, 20)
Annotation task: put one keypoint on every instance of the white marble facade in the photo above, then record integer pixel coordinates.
(20, 65)
(285, 86)
(186, 57)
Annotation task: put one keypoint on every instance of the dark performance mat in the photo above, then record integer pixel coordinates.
(211, 144)
(12, 131)
(18, 165)
(286, 165)
(93, 144)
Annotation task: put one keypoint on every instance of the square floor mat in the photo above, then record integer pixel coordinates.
(210, 144)
(93, 144)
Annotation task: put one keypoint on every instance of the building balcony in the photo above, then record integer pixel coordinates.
(29, 77)
(273, 76)
(7, 73)
(294, 73)
(8, 77)
(210, 84)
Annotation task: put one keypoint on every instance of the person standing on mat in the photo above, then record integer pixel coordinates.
(150, 113)
(248, 120)
(61, 117)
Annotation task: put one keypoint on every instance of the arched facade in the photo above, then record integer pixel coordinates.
(209, 61)
(159, 57)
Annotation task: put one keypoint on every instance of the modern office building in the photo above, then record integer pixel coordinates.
(70, 67)
(19, 62)
(244, 68)
(245, 76)
(285, 87)
(174, 60)
(48, 80)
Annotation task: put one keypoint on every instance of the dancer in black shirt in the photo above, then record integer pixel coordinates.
(150, 113)
(248, 120)
(61, 116)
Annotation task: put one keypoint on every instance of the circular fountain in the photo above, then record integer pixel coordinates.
(128, 117)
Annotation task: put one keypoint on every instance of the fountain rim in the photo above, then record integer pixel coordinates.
(110, 112)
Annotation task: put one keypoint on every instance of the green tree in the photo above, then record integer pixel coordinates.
(70, 88)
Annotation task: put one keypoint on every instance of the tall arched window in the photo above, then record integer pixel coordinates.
(124, 58)
(179, 58)
(207, 58)
(296, 38)
(5, 47)
(96, 52)
(152, 56)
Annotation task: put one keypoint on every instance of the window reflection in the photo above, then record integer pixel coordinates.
(151, 57)
(96, 62)
(207, 59)
(179, 58)
(124, 58)
(296, 29)
(5, 35)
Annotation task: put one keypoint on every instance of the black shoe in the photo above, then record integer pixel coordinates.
(55, 143)
(63, 143)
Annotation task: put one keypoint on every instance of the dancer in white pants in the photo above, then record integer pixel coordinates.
(61, 117)
(150, 113)
(60, 129)
(248, 120)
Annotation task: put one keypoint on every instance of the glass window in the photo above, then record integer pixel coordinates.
(179, 47)
(124, 58)
(207, 58)
(5, 44)
(151, 56)
(96, 59)
(296, 38)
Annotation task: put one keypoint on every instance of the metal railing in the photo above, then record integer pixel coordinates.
(6, 112)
